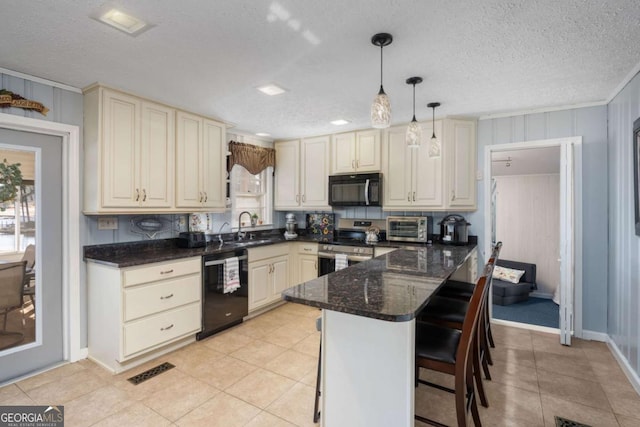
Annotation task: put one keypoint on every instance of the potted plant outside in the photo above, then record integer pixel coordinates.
(10, 182)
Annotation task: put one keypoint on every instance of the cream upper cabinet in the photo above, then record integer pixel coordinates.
(355, 152)
(461, 175)
(287, 172)
(129, 161)
(200, 163)
(157, 155)
(412, 179)
(301, 175)
(415, 181)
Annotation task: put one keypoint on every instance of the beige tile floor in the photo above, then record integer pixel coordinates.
(262, 373)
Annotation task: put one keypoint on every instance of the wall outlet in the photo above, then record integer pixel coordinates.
(108, 223)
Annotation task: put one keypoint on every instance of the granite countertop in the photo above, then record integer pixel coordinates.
(392, 287)
(145, 252)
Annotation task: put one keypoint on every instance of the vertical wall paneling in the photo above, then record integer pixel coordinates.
(528, 224)
(624, 245)
(591, 124)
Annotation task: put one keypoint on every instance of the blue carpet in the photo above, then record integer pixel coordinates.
(535, 311)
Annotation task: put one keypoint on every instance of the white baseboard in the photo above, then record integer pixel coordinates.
(84, 353)
(528, 326)
(632, 376)
(594, 336)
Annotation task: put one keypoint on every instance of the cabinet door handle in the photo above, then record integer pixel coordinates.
(167, 297)
(167, 271)
(315, 265)
(409, 196)
(453, 195)
(166, 328)
(353, 164)
(206, 197)
(306, 249)
(200, 193)
(144, 195)
(357, 164)
(297, 198)
(414, 196)
(304, 198)
(137, 195)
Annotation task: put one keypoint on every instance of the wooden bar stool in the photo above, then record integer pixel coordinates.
(450, 351)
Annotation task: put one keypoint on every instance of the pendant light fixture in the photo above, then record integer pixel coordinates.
(381, 108)
(414, 131)
(434, 144)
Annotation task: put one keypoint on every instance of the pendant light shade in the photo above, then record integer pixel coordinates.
(414, 131)
(434, 144)
(381, 107)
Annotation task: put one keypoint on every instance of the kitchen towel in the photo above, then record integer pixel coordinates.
(341, 261)
(231, 275)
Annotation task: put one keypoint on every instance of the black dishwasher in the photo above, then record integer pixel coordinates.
(222, 310)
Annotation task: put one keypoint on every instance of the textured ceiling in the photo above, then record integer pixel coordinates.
(476, 58)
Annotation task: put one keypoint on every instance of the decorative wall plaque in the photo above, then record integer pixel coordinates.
(10, 99)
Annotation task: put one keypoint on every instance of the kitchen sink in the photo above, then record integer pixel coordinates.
(245, 243)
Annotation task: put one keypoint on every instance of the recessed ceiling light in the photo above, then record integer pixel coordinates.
(340, 122)
(263, 134)
(271, 89)
(124, 22)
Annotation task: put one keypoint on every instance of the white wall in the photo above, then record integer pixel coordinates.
(591, 124)
(624, 245)
(528, 224)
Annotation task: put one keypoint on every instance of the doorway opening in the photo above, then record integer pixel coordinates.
(532, 205)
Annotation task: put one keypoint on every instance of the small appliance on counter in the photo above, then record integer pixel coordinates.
(192, 239)
(290, 227)
(410, 228)
(454, 230)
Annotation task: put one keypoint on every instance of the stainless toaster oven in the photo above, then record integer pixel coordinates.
(410, 228)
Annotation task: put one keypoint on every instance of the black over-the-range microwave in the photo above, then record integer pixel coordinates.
(363, 189)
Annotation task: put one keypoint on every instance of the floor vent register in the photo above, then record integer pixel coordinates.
(150, 373)
(563, 422)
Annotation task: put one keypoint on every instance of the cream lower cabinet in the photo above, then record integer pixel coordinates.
(200, 163)
(268, 274)
(415, 181)
(129, 153)
(138, 313)
(301, 174)
(304, 257)
(467, 272)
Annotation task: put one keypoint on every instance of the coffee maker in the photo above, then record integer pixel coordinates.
(290, 227)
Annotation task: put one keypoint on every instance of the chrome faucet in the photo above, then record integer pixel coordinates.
(240, 235)
(220, 232)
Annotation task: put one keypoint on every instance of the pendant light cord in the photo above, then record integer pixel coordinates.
(433, 120)
(414, 103)
(381, 66)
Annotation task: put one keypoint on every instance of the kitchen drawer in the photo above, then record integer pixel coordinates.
(269, 251)
(308, 248)
(165, 295)
(161, 270)
(161, 328)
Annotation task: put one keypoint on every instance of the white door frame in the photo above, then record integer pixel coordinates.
(576, 142)
(70, 135)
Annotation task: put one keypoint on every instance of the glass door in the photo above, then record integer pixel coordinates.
(30, 237)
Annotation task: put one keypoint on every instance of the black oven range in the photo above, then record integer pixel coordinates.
(350, 240)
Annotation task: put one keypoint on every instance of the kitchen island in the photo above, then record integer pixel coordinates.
(368, 332)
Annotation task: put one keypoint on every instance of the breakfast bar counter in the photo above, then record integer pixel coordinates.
(368, 332)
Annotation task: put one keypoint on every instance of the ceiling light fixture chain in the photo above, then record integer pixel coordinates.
(381, 107)
(434, 145)
(414, 130)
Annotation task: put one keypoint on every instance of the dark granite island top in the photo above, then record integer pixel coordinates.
(392, 287)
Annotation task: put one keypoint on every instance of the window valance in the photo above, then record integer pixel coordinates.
(253, 158)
